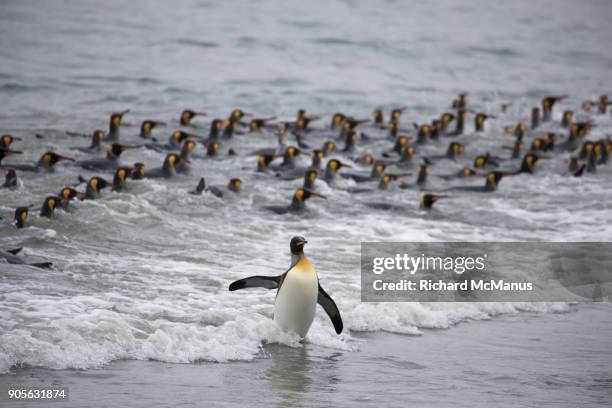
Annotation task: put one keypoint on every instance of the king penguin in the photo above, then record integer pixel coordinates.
(298, 293)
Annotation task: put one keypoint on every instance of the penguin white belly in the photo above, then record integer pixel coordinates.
(296, 302)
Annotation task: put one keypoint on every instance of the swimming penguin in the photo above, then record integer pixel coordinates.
(383, 184)
(119, 178)
(200, 188)
(138, 171)
(289, 158)
(296, 173)
(464, 172)
(174, 141)
(566, 119)
(422, 173)
(110, 162)
(396, 114)
(492, 180)
(378, 168)
(48, 207)
(94, 187)
(7, 140)
(454, 149)
(517, 148)
(46, 162)
(406, 155)
(527, 165)
(350, 140)
(423, 133)
(298, 203)
(167, 170)
(68, 194)
(187, 115)
(485, 160)
(10, 179)
(331, 169)
(114, 125)
(257, 124)
(460, 102)
(263, 161)
(479, 121)
(97, 138)
(233, 186)
(146, 128)
(214, 133)
(445, 120)
(310, 176)
(427, 201)
(183, 166)
(21, 215)
(379, 118)
(337, 120)
(299, 291)
(5, 152)
(328, 148)
(212, 149)
(547, 106)
(11, 257)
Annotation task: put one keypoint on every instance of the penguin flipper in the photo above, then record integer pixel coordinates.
(331, 309)
(43, 265)
(15, 251)
(267, 282)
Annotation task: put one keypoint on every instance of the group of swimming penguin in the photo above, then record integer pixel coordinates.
(400, 151)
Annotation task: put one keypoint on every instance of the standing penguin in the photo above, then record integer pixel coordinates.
(298, 293)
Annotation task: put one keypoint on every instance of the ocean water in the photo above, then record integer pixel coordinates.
(143, 274)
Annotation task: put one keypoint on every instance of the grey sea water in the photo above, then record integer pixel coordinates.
(138, 295)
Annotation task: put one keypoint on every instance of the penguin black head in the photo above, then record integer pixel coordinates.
(367, 158)
(187, 148)
(335, 165)
(536, 144)
(178, 137)
(427, 201)
(7, 140)
(187, 115)
(337, 120)
(455, 149)
(148, 125)
(297, 245)
(461, 101)
(378, 116)
(264, 160)
(234, 185)
(529, 161)
(115, 149)
(98, 136)
(213, 149)
(467, 172)
(573, 164)
(386, 180)
(21, 215)
(119, 178)
(171, 160)
(393, 128)
(493, 178)
(49, 159)
(446, 118)
(407, 152)
(138, 171)
(566, 120)
(400, 142)
(423, 172)
(237, 114)
(10, 178)
(115, 119)
(328, 148)
(96, 184)
(215, 126)
(68, 193)
(310, 177)
(378, 169)
(396, 114)
(48, 206)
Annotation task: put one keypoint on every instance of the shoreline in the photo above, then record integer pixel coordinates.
(526, 359)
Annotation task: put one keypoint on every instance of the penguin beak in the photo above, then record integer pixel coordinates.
(346, 165)
(60, 158)
(123, 113)
(314, 193)
(438, 197)
(11, 152)
(159, 123)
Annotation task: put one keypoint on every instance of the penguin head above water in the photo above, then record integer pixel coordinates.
(178, 137)
(114, 150)
(215, 127)
(147, 126)
(378, 169)
(96, 184)
(10, 178)
(187, 115)
(21, 215)
(7, 140)
(400, 142)
(310, 177)
(234, 185)
(529, 161)
(48, 207)
(427, 201)
(119, 178)
(378, 116)
(115, 119)
(238, 114)
(297, 245)
(454, 149)
(366, 159)
(317, 158)
(386, 180)
(329, 148)
(138, 171)
(97, 137)
(213, 149)
(493, 179)
(337, 120)
(68, 193)
(50, 159)
(567, 117)
(467, 172)
(301, 195)
(423, 172)
(396, 114)
(263, 160)
(187, 148)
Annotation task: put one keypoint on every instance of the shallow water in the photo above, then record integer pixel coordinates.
(143, 274)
